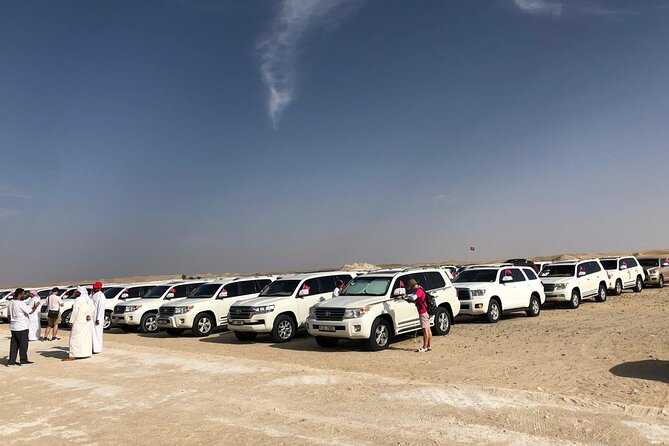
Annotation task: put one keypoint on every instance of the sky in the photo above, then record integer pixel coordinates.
(203, 136)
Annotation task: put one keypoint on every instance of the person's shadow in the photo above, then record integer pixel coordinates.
(650, 369)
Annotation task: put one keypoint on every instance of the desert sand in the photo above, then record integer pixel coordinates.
(598, 375)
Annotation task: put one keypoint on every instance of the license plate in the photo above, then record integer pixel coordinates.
(237, 322)
(327, 328)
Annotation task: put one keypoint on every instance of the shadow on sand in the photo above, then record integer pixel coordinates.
(650, 369)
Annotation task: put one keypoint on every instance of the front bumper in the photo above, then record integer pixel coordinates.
(183, 321)
(126, 318)
(558, 296)
(473, 307)
(359, 328)
(653, 279)
(256, 324)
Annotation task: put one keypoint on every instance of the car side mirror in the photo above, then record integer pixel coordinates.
(124, 296)
(399, 292)
(665, 264)
(622, 267)
(222, 294)
(303, 293)
(581, 273)
(507, 279)
(170, 295)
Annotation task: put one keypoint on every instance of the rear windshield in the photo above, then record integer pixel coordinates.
(476, 275)
(649, 263)
(609, 264)
(111, 293)
(204, 291)
(280, 288)
(367, 286)
(156, 292)
(558, 271)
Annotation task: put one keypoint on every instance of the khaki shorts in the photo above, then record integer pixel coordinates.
(425, 320)
(53, 321)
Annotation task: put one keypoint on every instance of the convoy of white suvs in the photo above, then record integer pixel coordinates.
(370, 307)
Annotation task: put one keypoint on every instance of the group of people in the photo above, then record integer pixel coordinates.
(86, 322)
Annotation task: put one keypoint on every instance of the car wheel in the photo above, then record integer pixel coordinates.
(325, 341)
(174, 331)
(660, 284)
(442, 322)
(380, 335)
(107, 322)
(618, 289)
(639, 285)
(203, 325)
(245, 335)
(494, 311)
(129, 328)
(601, 294)
(575, 300)
(284, 329)
(66, 319)
(148, 323)
(535, 306)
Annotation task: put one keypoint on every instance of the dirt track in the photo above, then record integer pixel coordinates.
(595, 375)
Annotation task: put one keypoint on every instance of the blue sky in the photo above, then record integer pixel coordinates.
(207, 136)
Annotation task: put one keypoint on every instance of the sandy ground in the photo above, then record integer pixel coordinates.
(595, 375)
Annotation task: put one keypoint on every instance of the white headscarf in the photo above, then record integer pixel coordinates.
(83, 291)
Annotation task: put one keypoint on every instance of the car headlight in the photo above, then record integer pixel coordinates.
(312, 312)
(182, 310)
(560, 286)
(131, 308)
(476, 293)
(355, 312)
(264, 309)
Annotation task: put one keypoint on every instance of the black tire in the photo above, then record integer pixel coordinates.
(601, 293)
(174, 331)
(442, 322)
(325, 341)
(535, 306)
(575, 300)
(284, 329)
(148, 323)
(660, 283)
(203, 325)
(246, 335)
(107, 322)
(638, 287)
(494, 313)
(618, 290)
(129, 328)
(379, 338)
(66, 319)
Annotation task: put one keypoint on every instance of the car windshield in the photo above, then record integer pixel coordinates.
(476, 275)
(280, 288)
(558, 271)
(609, 264)
(204, 291)
(367, 286)
(111, 293)
(3, 294)
(649, 263)
(156, 292)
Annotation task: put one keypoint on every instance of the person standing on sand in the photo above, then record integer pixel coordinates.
(34, 323)
(418, 297)
(81, 336)
(18, 313)
(98, 299)
(53, 304)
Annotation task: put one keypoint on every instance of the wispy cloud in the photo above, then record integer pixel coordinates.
(559, 8)
(279, 47)
(9, 191)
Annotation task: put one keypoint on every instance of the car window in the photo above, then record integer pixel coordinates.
(232, 289)
(531, 275)
(181, 291)
(580, 270)
(312, 285)
(344, 277)
(622, 263)
(664, 261)
(631, 262)
(328, 284)
(137, 291)
(247, 287)
(418, 277)
(261, 284)
(434, 280)
(517, 275)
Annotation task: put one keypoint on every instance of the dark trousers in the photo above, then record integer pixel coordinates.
(19, 343)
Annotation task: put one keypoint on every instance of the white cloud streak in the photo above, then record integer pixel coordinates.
(8, 191)
(279, 47)
(540, 7)
(559, 8)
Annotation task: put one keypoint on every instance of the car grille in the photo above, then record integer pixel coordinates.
(43, 309)
(166, 311)
(241, 312)
(119, 309)
(330, 314)
(464, 294)
(549, 287)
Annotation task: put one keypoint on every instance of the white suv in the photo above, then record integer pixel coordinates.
(490, 291)
(142, 313)
(283, 306)
(572, 280)
(207, 307)
(371, 308)
(121, 293)
(4, 303)
(624, 273)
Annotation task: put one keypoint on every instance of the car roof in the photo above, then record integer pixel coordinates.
(223, 280)
(302, 276)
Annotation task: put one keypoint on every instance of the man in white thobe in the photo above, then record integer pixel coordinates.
(34, 325)
(81, 336)
(98, 321)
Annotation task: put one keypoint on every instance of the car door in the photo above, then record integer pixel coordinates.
(223, 300)
(624, 271)
(309, 293)
(520, 288)
(403, 312)
(507, 288)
